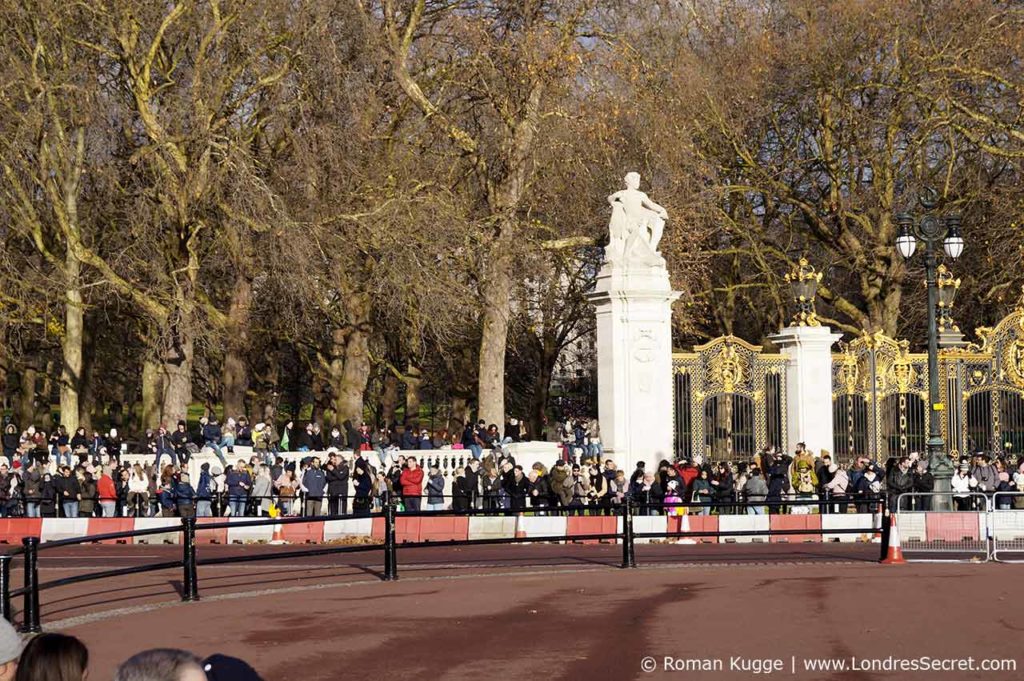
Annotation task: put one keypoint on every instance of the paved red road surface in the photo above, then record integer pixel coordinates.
(542, 612)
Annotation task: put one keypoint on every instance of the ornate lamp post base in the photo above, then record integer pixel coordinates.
(942, 472)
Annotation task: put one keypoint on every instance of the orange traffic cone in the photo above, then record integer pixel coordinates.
(278, 537)
(520, 532)
(894, 552)
(684, 526)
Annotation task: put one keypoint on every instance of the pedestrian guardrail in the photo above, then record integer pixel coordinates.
(978, 526)
(497, 526)
(1006, 527)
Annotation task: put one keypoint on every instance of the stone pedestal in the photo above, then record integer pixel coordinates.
(634, 362)
(808, 350)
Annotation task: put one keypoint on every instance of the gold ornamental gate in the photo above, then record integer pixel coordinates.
(987, 383)
(730, 400)
(880, 394)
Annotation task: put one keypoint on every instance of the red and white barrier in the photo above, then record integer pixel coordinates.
(920, 527)
(446, 528)
(55, 529)
(582, 526)
(954, 526)
(172, 536)
(541, 526)
(646, 523)
(248, 535)
(339, 530)
(1008, 525)
(744, 523)
(492, 528)
(12, 530)
(807, 521)
(847, 521)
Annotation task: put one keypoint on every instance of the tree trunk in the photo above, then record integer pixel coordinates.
(458, 415)
(884, 310)
(87, 384)
(26, 407)
(413, 399)
(541, 394)
(43, 403)
(4, 364)
(236, 372)
(152, 390)
(320, 401)
(177, 382)
(389, 399)
(496, 292)
(350, 362)
(71, 345)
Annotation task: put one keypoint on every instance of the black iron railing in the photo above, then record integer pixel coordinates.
(190, 561)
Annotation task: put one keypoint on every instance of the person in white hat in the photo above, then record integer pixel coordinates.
(10, 650)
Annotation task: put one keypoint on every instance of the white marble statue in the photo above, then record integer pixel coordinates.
(636, 225)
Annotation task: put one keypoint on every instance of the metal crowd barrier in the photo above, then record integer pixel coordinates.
(1007, 527)
(959, 535)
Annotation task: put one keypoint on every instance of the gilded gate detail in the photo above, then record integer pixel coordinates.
(879, 391)
(880, 394)
(730, 399)
(730, 396)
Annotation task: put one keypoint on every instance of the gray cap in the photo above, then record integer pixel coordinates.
(10, 642)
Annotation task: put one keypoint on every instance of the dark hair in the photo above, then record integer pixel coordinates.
(53, 657)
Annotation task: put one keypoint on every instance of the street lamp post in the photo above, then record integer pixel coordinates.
(935, 232)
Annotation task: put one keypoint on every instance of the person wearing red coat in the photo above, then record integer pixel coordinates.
(411, 481)
(688, 472)
(107, 493)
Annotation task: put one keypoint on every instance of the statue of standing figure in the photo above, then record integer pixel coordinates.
(636, 225)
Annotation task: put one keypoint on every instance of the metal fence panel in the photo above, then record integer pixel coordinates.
(1008, 527)
(944, 536)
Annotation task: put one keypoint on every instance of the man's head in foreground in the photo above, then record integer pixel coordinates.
(10, 650)
(161, 664)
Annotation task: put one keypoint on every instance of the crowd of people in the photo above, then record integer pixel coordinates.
(56, 476)
(179, 444)
(59, 657)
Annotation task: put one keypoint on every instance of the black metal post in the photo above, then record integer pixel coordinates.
(390, 553)
(628, 550)
(933, 232)
(938, 461)
(30, 623)
(5, 587)
(190, 576)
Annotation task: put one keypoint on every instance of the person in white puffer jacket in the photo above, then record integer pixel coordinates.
(961, 484)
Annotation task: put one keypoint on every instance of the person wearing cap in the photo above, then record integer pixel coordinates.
(179, 443)
(211, 434)
(314, 484)
(755, 490)
(867, 487)
(577, 486)
(10, 651)
(836, 488)
(986, 475)
(205, 491)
